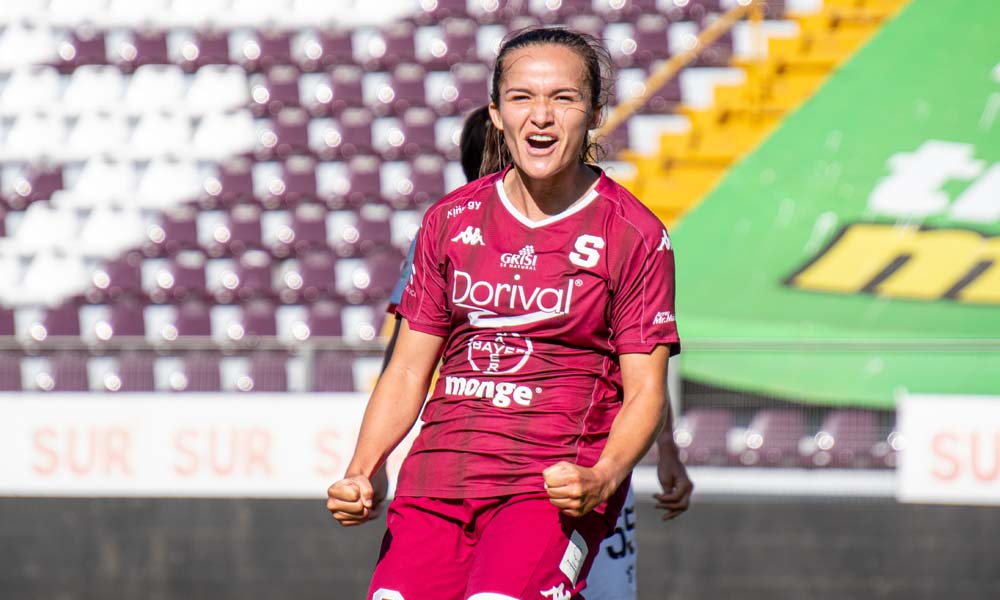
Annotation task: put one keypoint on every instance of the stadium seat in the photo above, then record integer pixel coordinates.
(107, 232)
(274, 90)
(155, 88)
(267, 372)
(234, 185)
(217, 88)
(135, 372)
(314, 50)
(81, 46)
(333, 371)
(846, 439)
(176, 278)
(285, 134)
(32, 184)
(773, 439)
(10, 372)
(68, 371)
(92, 88)
(192, 50)
(309, 278)
(96, 134)
(701, 436)
(131, 50)
(200, 373)
(246, 277)
(118, 278)
(30, 89)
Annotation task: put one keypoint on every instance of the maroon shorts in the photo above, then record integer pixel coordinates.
(512, 548)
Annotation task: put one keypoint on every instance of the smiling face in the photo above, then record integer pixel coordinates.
(544, 109)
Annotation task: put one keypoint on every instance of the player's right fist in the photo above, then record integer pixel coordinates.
(350, 500)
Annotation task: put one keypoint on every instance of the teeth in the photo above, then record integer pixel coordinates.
(541, 138)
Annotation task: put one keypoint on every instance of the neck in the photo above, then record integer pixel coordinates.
(541, 198)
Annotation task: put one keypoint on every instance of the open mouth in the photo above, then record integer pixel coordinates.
(541, 142)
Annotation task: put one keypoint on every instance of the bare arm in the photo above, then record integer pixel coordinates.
(392, 410)
(577, 490)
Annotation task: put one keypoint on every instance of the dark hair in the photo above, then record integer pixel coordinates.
(472, 140)
(597, 63)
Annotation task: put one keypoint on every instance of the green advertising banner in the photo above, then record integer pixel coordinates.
(856, 253)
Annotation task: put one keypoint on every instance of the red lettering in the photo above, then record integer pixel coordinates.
(81, 451)
(117, 447)
(938, 449)
(978, 471)
(48, 457)
(215, 459)
(184, 441)
(259, 451)
(331, 462)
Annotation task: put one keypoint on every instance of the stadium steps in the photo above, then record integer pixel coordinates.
(690, 163)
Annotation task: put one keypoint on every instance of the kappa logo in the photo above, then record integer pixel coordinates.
(525, 259)
(664, 242)
(664, 317)
(471, 236)
(557, 592)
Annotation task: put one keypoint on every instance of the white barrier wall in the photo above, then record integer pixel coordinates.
(178, 445)
(952, 449)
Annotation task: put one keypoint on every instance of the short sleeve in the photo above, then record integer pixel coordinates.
(404, 277)
(642, 306)
(424, 301)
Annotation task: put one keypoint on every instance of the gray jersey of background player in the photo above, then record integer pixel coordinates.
(677, 487)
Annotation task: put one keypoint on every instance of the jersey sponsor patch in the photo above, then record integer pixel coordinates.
(534, 304)
(470, 236)
(572, 560)
(525, 259)
(663, 317)
(384, 594)
(500, 393)
(500, 353)
(457, 210)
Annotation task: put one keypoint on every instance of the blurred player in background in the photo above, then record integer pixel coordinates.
(541, 411)
(613, 575)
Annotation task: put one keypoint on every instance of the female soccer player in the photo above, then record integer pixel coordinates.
(547, 289)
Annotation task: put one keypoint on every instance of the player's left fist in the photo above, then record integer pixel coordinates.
(575, 490)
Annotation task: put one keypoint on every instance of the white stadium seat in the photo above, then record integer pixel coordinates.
(30, 89)
(93, 88)
(156, 88)
(218, 88)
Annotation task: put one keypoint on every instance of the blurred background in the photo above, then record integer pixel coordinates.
(204, 206)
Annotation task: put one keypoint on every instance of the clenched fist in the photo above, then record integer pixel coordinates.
(576, 490)
(350, 500)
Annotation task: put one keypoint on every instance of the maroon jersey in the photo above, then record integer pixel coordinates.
(535, 314)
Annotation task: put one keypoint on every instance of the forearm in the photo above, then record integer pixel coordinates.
(665, 440)
(633, 432)
(392, 410)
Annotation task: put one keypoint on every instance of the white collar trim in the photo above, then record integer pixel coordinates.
(572, 210)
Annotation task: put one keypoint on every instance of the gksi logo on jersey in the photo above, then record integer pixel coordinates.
(664, 317)
(470, 236)
(525, 259)
(535, 304)
(500, 393)
(470, 205)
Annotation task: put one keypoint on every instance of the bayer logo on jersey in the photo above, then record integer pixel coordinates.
(499, 352)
